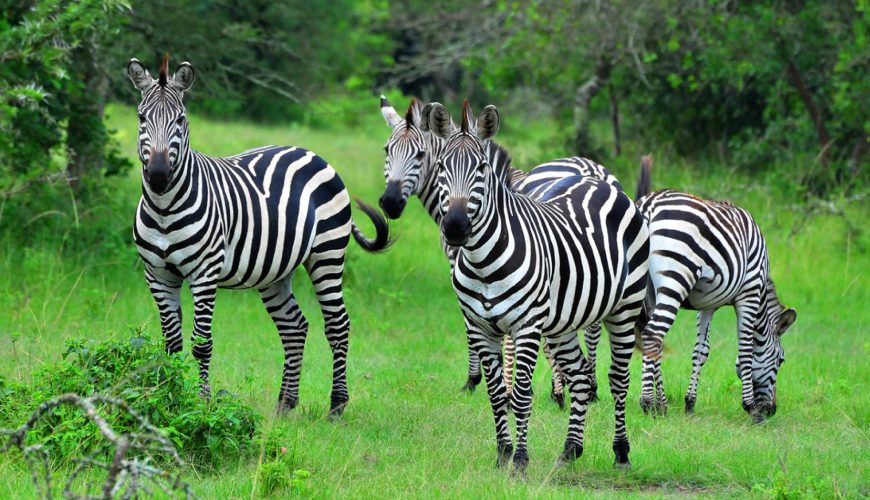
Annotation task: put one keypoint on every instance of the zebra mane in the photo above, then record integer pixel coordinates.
(499, 160)
(164, 71)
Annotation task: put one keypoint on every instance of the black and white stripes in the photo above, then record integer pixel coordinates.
(246, 221)
(537, 269)
(706, 255)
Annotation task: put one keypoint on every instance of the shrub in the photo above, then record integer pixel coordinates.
(164, 388)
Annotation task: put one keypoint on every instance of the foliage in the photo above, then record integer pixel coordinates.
(50, 101)
(163, 388)
(278, 471)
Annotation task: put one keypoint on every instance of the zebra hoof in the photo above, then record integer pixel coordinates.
(521, 462)
(559, 399)
(662, 407)
(286, 405)
(690, 406)
(336, 407)
(471, 383)
(647, 405)
(505, 451)
(572, 451)
(621, 449)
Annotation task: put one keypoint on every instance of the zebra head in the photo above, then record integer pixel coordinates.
(773, 321)
(163, 133)
(406, 156)
(462, 168)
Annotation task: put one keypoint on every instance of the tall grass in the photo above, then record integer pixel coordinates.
(408, 430)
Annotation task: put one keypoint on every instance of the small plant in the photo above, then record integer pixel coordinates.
(162, 388)
(279, 471)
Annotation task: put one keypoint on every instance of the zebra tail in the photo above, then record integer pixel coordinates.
(645, 179)
(382, 230)
(649, 302)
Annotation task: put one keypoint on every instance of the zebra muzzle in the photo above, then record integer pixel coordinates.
(456, 226)
(392, 202)
(157, 172)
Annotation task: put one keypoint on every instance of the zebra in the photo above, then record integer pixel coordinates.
(240, 222)
(706, 255)
(409, 169)
(539, 268)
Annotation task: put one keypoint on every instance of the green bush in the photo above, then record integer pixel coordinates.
(164, 388)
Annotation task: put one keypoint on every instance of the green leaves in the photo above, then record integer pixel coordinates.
(161, 387)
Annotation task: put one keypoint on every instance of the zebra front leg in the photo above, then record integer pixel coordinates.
(557, 381)
(745, 347)
(292, 329)
(592, 336)
(488, 350)
(527, 344)
(167, 295)
(474, 375)
(203, 309)
(699, 357)
(568, 355)
(620, 330)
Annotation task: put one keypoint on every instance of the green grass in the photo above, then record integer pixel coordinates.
(408, 430)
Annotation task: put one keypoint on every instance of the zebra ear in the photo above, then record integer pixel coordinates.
(389, 113)
(412, 117)
(137, 74)
(487, 123)
(439, 120)
(424, 117)
(786, 319)
(183, 77)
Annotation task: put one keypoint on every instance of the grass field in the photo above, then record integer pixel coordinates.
(408, 430)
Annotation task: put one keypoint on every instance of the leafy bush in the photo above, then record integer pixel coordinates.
(164, 388)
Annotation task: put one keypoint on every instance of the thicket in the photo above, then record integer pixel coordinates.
(162, 388)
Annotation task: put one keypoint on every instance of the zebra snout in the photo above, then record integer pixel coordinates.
(456, 225)
(157, 172)
(392, 202)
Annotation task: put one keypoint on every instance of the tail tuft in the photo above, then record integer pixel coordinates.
(382, 239)
(645, 178)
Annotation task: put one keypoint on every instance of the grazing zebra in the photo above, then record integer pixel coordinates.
(539, 268)
(411, 152)
(245, 221)
(706, 255)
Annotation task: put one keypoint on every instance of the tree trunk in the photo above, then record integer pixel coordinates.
(824, 137)
(585, 93)
(86, 133)
(614, 117)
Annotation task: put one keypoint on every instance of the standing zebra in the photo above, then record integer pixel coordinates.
(539, 268)
(411, 153)
(706, 255)
(245, 221)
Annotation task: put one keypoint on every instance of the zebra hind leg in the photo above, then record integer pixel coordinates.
(292, 328)
(699, 357)
(557, 381)
(592, 335)
(620, 329)
(326, 270)
(474, 375)
(568, 355)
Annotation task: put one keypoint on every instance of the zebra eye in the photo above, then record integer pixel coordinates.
(420, 154)
(180, 120)
(141, 117)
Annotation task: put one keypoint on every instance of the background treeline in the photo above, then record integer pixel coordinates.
(757, 85)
